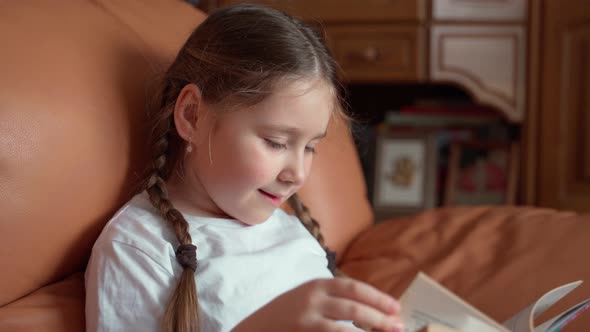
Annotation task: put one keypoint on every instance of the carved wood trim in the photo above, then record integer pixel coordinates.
(511, 101)
(480, 10)
(472, 76)
(477, 2)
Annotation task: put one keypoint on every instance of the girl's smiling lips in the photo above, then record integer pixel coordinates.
(275, 200)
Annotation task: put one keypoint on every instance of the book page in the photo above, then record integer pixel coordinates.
(523, 321)
(558, 322)
(425, 302)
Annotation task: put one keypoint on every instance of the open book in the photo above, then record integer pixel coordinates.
(428, 306)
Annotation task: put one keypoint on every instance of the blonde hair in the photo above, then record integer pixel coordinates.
(235, 57)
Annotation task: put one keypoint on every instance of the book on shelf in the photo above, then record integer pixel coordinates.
(427, 306)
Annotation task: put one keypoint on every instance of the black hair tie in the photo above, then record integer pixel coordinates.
(186, 255)
(331, 255)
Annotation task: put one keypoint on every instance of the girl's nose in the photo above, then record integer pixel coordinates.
(295, 171)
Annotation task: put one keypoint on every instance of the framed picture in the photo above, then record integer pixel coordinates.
(482, 173)
(405, 172)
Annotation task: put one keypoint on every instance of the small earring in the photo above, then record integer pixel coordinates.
(189, 147)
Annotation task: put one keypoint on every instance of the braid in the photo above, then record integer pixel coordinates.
(156, 187)
(313, 227)
(182, 310)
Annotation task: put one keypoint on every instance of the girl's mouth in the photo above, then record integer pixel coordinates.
(276, 201)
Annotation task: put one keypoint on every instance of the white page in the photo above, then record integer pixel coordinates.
(563, 318)
(426, 301)
(524, 320)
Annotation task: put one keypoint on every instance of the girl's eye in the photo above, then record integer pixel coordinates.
(275, 145)
(310, 149)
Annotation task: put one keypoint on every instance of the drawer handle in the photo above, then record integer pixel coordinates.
(369, 54)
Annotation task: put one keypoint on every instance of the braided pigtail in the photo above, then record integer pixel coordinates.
(182, 310)
(313, 227)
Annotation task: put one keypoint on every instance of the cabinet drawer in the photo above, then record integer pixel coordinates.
(368, 53)
(345, 10)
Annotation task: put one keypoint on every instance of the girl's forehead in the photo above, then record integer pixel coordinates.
(300, 94)
(295, 98)
(306, 104)
(285, 90)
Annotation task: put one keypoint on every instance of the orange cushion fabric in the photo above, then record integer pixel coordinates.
(57, 307)
(500, 259)
(72, 96)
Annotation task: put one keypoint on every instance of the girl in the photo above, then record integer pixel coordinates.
(242, 108)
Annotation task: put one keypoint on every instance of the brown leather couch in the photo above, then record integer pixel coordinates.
(73, 84)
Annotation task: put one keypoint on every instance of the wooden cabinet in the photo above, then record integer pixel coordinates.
(479, 45)
(529, 59)
(559, 128)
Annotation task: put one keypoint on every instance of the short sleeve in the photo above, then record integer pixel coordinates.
(126, 289)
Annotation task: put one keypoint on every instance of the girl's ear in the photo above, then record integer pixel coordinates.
(186, 111)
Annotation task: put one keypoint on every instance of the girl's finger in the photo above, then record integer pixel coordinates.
(334, 326)
(364, 315)
(364, 293)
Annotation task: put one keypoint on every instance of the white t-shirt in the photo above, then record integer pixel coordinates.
(133, 268)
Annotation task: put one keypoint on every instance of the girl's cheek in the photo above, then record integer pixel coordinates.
(261, 169)
(250, 160)
(260, 164)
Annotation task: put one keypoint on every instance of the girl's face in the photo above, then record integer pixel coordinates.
(246, 163)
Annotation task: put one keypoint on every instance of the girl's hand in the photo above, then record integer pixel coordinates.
(317, 306)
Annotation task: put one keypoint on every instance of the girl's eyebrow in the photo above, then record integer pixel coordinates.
(293, 131)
